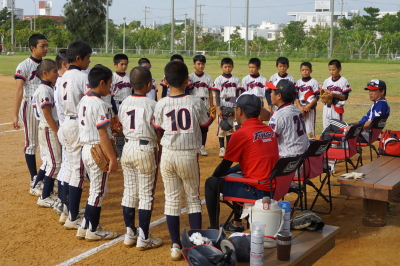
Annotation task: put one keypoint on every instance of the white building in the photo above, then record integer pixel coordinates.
(322, 15)
(253, 32)
(214, 31)
(18, 12)
(383, 13)
(274, 29)
(45, 8)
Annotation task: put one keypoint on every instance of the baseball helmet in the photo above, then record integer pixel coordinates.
(207, 255)
(241, 245)
(212, 234)
(225, 125)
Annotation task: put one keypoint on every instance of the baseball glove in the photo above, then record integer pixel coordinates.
(227, 111)
(225, 125)
(99, 156)
(116, 126)
(307, 220)
(324, 96)
(213, 111)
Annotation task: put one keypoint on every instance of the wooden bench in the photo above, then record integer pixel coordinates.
(307, 247)
(380, 185)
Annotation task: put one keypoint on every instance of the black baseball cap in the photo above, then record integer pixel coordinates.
(249, 103)
(284, 85)
(375, 84)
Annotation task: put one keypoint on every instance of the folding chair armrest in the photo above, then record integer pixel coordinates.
(362, 144)
(249, 181)
(336, 142)
(337, 135)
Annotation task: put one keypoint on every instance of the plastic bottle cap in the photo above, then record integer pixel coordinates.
(284, 204)
(257, 227)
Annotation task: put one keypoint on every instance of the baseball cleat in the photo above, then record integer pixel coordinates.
(150, 242)
(63, 218)
(46, 203)
(130, 238)
(222, 152)
(203, 151)
(37, 191)
(81, 233)
(176, 252)
(100, 234)
(73, 225)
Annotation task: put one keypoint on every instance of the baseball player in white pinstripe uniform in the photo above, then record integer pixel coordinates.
(181, 117)
(164, 85)
(226, 88)
(339, 89)
(308, 90)
(139, 160)
(74, 84)
(48, 127)
(282, 65)
(26, 84)
(254, 83)
(152, 94)
(201, 87)
(287, 121)
(94, 120)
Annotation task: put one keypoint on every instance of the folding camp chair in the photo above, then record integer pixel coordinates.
(375, 128)
(279, 180)
(314, 164)
(347, 147)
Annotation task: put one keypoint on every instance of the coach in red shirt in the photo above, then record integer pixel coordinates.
(255, 147)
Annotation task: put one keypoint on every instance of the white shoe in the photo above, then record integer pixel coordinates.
(46, 203)
(58, 207)
(222, 152)
(203, 151)
(63, 218)
(150, 242)
(130, 238)
(73, 225)
(81, 210)
(176, 252)
(81, 233)
(100, 234)
(37, 191)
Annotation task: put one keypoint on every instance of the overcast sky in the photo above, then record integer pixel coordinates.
(216, 13)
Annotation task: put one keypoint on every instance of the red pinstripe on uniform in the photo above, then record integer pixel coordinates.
(53, 161)
(81, 173)
(26, 128)
(103, 185)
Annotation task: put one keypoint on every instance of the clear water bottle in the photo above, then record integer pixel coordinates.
(257, 244)
(286, 219)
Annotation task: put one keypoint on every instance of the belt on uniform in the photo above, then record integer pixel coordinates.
(204, 98)
(141, 141)
(227, 99)
(73, 117)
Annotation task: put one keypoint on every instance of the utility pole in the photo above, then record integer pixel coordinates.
(12, 25)
(331, 34)
(34, 18)
(107, 27)
(185, 30)
(123, 41)
(194, 27)
(246, 48)
(229, 32)
(172, 26)
(201, 17)
(341, 9)
(145, 15)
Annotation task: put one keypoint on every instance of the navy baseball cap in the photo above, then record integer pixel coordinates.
(375, 84)
(284, 85)
(249, 103)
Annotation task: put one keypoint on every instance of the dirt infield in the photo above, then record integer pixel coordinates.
(31, 235)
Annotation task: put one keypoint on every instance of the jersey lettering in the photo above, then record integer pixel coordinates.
(132, 115)
(300, 125)
(33, 75)
(183, 114)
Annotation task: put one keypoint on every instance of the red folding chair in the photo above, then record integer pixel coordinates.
(376, 127)
(347, 147)
(314, 164)
(279, 180)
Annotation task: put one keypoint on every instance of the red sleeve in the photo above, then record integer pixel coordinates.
(235, 147)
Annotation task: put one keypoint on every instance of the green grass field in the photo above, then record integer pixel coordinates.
(358, 74)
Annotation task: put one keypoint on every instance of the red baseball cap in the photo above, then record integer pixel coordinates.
(375, 84)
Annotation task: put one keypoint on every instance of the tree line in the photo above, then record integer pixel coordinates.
(86, 20)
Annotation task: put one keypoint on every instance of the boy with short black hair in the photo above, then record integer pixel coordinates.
(254, 83)
(144, 62)
(139, 160)
(75, 85)
(226, 88)
(94, 120)
(181, 117)
(282, 65)
(307, 97)
(48, 128)
(165, 86)
(201, 87)
(26, 84)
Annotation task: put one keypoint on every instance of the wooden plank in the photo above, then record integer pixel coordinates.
(365, 192)
(389, 181)
(379, 173)
(374, 213)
